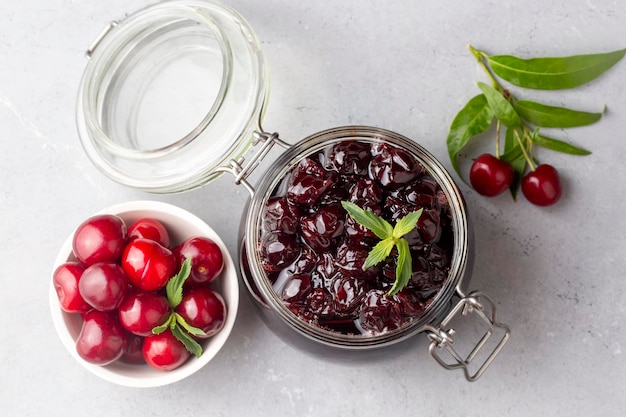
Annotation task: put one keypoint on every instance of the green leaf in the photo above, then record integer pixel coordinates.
(190, 344)
(472, 120)
(390, 237)
(406, 224)
(519, 166)
(403, 268)
(168, 323)
(366, 218)
(558, 145)
(180, 320)
(379, 253)
(503, 110)
(510, 143)
(553, 73)
(548, 116)
(174, 287)
(512, 154)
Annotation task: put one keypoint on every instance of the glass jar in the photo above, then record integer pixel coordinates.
(452, 300)
(174, 95)
(170, 93)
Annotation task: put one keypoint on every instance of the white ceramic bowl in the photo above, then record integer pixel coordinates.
(181, 225)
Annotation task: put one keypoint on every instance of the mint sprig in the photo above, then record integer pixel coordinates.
(174, 286)
(181, 330)
(391, 236)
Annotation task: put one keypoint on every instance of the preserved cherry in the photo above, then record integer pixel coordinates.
(308, 183)
(313, 252)
(322, 229)
(349, 158)
(280, 216)
(380, 313)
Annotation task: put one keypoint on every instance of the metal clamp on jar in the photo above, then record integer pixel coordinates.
(204, 55)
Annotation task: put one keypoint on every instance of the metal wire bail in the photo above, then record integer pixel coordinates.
(242, 169)
(442, 338)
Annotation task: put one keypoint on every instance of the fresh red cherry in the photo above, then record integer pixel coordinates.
(147, 264)
(149, 228)
(491, 176)
(204, 309)
(206, 257)
(103, 286)
(100, 239)
(66, 278)
(102, 339)
(163, 351)
(542, 186)
(140, 312)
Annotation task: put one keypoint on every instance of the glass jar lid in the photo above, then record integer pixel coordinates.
(171, 93)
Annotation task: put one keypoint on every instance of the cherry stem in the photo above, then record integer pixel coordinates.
(526, 155)
(498, 125)
(481, 56)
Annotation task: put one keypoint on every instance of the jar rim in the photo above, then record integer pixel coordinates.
(238, 78)
(90, 91)
(459, 274)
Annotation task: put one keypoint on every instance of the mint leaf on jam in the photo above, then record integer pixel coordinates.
(379, 226)
(406, 224)
(379, 253)
(391, 236)
(404, 268)
(182, 330)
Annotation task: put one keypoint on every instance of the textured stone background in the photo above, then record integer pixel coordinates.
(557, 274)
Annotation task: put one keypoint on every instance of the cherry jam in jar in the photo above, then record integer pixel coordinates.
(313, 252)
(305, 269)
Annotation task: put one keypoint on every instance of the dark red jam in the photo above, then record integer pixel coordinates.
(312, 251)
